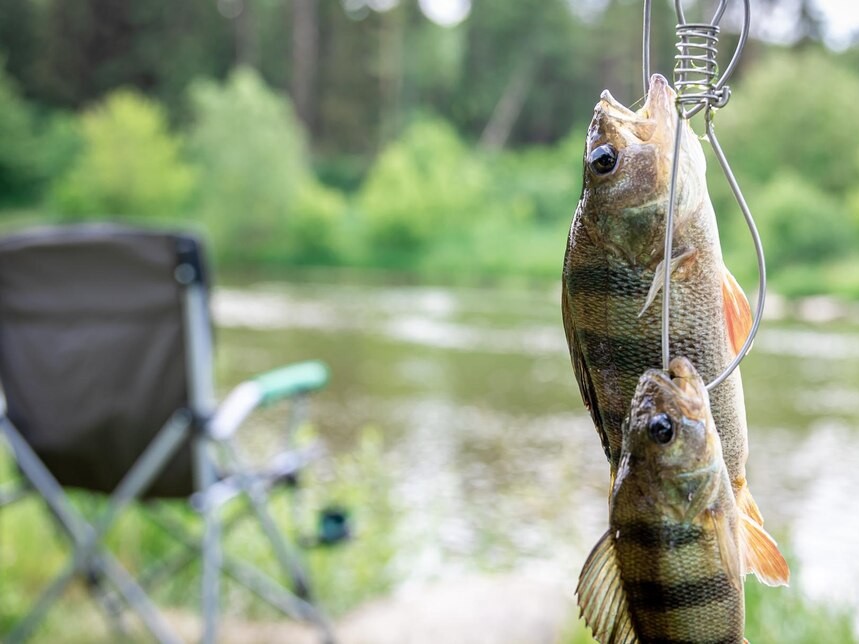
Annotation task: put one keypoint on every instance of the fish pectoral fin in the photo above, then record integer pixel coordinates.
(738, 313)
(659, 276)
(601, 596)
(760, 554)
(729, 551)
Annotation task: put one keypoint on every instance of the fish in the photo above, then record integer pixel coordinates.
(669, 567)
(614, 269)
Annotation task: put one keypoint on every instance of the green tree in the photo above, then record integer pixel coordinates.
(130, 165)
(22, 164)
(792, 111)
(424, 185)
(259, 196)
(801, 223)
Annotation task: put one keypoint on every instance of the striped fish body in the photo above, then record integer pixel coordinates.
(677, 586)
(669, 567)
(604, 295)
(613, 268)
(611, 298)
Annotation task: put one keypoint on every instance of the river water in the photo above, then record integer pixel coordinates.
(497, 464)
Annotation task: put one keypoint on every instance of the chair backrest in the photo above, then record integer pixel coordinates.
(93, 347)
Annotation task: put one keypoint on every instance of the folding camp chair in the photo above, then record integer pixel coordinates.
(106, 368)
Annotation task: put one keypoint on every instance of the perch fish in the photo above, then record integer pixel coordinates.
(669, 567)
(614, 269)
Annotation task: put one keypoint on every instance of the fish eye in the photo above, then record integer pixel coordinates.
(603, 159)
(661, 428)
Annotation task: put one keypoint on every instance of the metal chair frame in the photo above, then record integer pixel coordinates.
(219, 477)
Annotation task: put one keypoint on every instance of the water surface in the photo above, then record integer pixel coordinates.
(497, 462)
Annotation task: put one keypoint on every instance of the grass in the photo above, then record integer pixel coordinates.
(346, 576)
(32, 551)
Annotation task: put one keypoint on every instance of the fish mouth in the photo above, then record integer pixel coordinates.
(681, 385)
(610, 106)
(658, 114)
(658, 105)
(661, 100)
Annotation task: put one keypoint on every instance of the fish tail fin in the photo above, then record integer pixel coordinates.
(760, 554)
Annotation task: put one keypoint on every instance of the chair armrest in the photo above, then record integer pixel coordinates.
(299, 378)
(292, 380)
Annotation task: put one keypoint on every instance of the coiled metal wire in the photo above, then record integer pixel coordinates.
(699, 86)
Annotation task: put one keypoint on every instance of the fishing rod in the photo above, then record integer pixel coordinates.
(700, 87)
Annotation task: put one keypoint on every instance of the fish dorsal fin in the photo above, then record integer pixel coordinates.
(738, 313)
(760, 554)
(602, 598)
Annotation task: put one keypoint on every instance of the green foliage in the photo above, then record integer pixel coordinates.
(803, 224)
(424, 184)
(783, 615)
(362, 483)
(790, 112)
(802, 228)
(540, 183)
(259, 197)
(130, 165)
(23, 164)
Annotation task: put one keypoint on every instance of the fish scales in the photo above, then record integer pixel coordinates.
(606, 297)
(675, 582)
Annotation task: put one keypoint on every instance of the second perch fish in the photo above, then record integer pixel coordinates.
(614, 268)
(669, 568)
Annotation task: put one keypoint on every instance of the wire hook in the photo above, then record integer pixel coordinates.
(700, 87)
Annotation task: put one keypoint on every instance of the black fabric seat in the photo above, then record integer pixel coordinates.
(92, 369)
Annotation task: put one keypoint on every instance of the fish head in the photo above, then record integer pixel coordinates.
(670, 428)
(627, 173)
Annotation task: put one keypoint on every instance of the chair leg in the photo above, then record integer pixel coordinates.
(256, 581)
(183, 555)
(110, 604)
(288, 561)
(48, 598)
(85, 537)
(211, 574)
(136, 598)
(278, 597)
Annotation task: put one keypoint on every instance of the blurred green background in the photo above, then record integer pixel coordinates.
(365, 134)
(388, 185)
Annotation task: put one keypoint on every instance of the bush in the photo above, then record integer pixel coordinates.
(130, 164)
(540, 183)
(790, 112)
(800, 223)
(259, 197)
(421, 186)
(23, 164)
